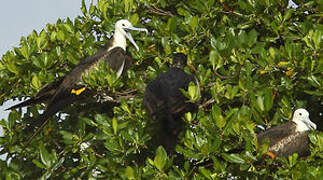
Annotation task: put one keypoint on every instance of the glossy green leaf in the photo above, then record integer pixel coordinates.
(217, 116)
(194, 23)
(268, 99)
(45, 157)
(36, 82)
(134, 19)
(235, 158)
(115, 125)
(160, 158)
(130, 174)
(260, 103)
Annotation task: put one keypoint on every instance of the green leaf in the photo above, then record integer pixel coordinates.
(288, 14)
(25, 49)
(115, 125)
(193, 92)
(134, 19)
(217, 116)
(268, 99)
(215, 60)
(60, 35)
(13, 68)
(235, 158)
(45, 156)
(188, 116)
(128, 5)
(83, 8)
(252, 37)
(292, 160)
(130, 173)
(205, 172)
(260, 103)
(160, 158)
(194, 23)
(172, 24)
(42, 39)
(35, 82)
(39, 164)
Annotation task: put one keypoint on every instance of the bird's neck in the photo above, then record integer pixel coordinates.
(119, 40)
(301, 126)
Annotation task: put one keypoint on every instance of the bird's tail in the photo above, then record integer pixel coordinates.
(44, 118)
(43, 95)
(29, 102)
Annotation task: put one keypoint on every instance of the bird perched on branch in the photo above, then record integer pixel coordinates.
(289, 138)
(166, 104)
(64, 92)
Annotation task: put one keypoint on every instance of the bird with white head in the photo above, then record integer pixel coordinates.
(67, 90)
(289, 138)
(302, 119)
(121, 32)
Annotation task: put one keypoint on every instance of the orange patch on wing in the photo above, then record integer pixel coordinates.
(78, 91)
(263, 72)
(50, 129)
(183, 50)
(290, 72)
(272, 155)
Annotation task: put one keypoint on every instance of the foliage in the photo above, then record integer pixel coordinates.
(256, 62)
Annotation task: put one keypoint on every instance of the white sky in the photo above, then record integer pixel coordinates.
(20, 17)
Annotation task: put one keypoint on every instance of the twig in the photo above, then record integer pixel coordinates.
(35, 134)
(159, 11)
(223, 77)
(128, 92)
(210, 101)
(229, 11)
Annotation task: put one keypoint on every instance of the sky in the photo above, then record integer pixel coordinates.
(20, 17)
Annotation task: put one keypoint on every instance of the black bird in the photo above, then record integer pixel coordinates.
(64, 92)
(289, 138)
(166, 104)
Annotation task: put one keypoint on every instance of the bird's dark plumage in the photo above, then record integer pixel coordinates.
(165, 103)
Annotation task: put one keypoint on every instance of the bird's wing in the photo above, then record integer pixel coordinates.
(128, 61)
(294, 143)
(276, 133)
(116, 59)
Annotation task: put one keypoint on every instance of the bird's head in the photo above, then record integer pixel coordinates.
(179, 60)
(123, 26)
(302, 119)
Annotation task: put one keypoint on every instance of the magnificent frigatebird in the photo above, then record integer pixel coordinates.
(67, 90)
(289, 138)
(166, 104)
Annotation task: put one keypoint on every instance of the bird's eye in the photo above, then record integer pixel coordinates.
(300, 114)
(123, 25)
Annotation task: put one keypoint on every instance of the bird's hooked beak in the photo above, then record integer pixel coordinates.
(310, 124)
(128, 35)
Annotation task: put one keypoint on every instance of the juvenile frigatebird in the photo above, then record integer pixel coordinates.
(166, 104)
(289, 138)
(64, 92)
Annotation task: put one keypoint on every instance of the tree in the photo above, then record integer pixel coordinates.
(256, 61)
